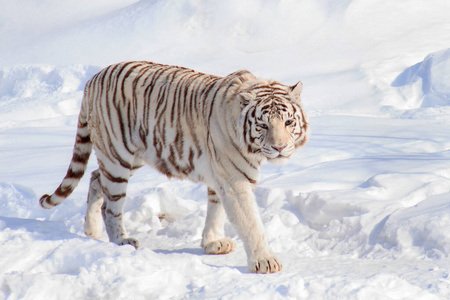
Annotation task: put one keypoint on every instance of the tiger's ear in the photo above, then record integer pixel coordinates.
(245, 98)
(297, 89)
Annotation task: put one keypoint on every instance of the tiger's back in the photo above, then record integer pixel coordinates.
(159, 115)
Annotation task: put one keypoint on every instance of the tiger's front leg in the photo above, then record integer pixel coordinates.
(242, 211)
(214, 240)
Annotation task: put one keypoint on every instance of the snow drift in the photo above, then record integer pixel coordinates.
(428, 82)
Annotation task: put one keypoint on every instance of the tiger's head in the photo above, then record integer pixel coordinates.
(274, 122)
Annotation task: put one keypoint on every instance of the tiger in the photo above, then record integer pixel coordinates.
(185, 124)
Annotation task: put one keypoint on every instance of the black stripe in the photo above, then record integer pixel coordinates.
(175, 99)
(162, 167)
(71, 174)
(242, 154)
(83, 139)
(47, 200)
(113, 198)
(125, 77)
(64, 192)
(109, 211)
(212, 102)
(110, 177)
(82, 125)
(253, 181)
(116, 155)
(213, 200)
(125, 108)
(81, 158)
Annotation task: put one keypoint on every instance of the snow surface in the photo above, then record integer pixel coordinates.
(361, 212)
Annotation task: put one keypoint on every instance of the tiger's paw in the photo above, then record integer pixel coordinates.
(93, 227)
(129, 241)
(265, 265)
(221, 246)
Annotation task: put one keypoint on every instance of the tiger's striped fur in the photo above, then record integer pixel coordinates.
(186, 124)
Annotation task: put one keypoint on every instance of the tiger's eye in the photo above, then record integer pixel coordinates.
(263, 126)
(289, 122)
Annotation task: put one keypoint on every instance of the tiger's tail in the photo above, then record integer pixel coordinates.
(81, 152)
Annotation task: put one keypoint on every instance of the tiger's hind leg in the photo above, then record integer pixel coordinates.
(214, 241)
(114, 182)
(93, 225)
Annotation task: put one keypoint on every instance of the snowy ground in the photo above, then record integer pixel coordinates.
(362, 212)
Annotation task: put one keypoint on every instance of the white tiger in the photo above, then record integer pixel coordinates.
(186, 124)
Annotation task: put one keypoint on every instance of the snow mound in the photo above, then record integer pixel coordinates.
(32, 92)
(419, 230)
(426, 84)
(15, 200)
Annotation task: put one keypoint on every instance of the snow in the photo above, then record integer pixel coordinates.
(361, 212)
(431, 75)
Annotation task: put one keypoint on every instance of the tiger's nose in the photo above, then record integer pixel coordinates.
(279, 148)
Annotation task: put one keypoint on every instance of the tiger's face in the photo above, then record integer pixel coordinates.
(275, 124)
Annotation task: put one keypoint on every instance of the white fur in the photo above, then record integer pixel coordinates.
(225, 163)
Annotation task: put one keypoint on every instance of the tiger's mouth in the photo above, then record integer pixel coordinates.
(276, 154)
(278, 160)
(276, 157)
